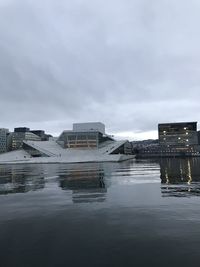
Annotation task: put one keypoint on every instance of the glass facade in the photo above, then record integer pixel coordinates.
(19, 137)
(90, 139)
(126, 149)
(72, 139)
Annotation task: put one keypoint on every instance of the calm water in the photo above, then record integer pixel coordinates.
(135, 213)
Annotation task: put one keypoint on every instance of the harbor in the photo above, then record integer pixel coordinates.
(137, 210)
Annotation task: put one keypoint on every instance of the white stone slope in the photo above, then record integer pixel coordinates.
(56, 154)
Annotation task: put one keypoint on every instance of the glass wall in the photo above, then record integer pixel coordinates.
(79, 139)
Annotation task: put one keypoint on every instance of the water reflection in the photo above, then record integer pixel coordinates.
(126, 217)
(86, 185)
(87, 182)
(180, 177)
(90, 182)
(15, 179)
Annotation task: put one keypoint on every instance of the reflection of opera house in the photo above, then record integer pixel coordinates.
(86, 185)
(87, 142)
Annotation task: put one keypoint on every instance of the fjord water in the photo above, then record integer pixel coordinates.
(134, 213)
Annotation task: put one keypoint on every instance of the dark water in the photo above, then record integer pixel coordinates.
(135, 213)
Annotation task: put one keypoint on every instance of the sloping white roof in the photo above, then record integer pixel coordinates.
(50, 148)
(56, 154)
(17, 155)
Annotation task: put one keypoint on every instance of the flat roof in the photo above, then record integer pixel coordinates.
(170, 123)
(81, 131)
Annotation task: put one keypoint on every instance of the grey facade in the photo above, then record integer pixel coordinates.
(89, 127)
(17, 139)
(41, 134)
(3, 140)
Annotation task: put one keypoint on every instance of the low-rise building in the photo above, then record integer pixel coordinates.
(21, 134)
(179, 137)
(89, 126)
(41, 134)
(89, 136)
(84, 135)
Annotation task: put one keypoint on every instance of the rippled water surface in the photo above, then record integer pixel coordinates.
(134, 213)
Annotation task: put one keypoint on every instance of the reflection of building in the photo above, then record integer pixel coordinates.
(3, 140)
(14, 181)
(86, 185)
(180, 177)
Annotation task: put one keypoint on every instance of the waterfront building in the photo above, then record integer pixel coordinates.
(89, 126)
(177, 139)
(85, 143)
(21, 134)
(89, 136)
(43, 136)
(84, 135)
(181, 136)
(81, 139)
(21, 130)
(3, 139)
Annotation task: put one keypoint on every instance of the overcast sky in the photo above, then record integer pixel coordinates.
(127, 63)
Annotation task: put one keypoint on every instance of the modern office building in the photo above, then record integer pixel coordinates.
(21, 130)
(3, 140)
(21, 134)
(41, 134)
(179, 137)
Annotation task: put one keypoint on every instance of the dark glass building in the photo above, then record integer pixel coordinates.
(181, 136)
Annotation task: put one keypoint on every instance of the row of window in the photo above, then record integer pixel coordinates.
(81, 137)
(81, 145)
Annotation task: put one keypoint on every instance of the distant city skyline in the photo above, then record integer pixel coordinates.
(121, 135)
(129, 64)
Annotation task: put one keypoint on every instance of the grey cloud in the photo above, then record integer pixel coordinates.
(130, 63)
